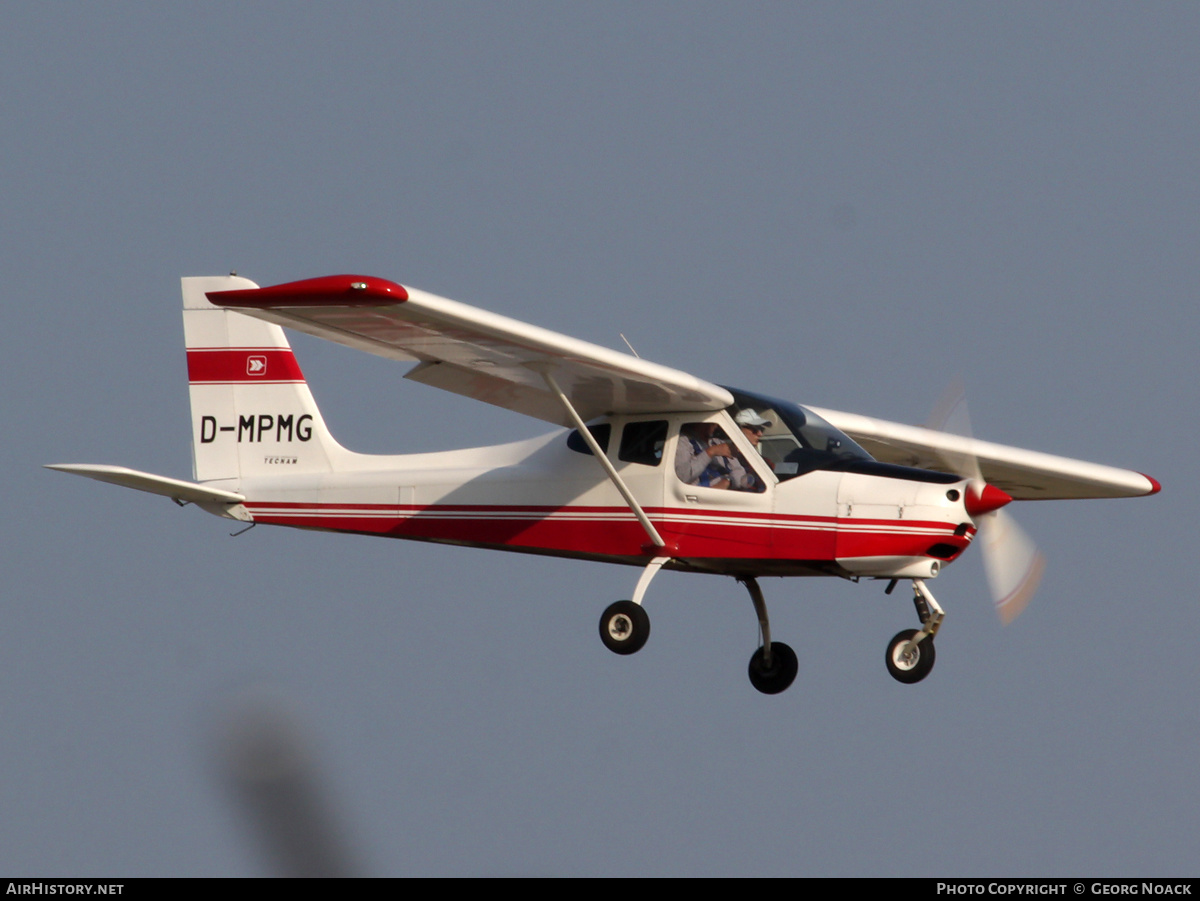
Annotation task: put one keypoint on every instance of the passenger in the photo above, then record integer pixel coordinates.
(704, 458)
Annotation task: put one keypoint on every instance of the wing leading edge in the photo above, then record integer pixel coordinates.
(475, 353)
(1026, 475)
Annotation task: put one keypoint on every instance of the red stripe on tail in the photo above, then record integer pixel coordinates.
(225, 365)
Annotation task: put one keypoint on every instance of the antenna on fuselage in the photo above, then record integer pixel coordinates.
(630, 346)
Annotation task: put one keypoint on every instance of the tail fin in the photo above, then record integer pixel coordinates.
(252, 412)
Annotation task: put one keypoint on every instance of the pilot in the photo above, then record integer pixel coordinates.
(703, 458)
(752, 426)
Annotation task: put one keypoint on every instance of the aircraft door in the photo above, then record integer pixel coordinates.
(715, 465)
(720, 490)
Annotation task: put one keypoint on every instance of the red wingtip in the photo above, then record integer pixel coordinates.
(1155, 488)
(328, 291)
(991, 498)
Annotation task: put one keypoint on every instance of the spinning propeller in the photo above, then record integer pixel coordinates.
(1013, 564)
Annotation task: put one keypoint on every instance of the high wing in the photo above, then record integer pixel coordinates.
(1024, 474)
(475, 353)
(505, 362)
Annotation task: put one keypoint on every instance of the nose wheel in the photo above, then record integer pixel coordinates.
(908, 662)
(910, 655)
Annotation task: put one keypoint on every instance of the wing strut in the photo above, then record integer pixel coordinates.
(602, 459)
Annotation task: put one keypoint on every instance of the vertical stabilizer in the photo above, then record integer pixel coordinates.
(252, 412)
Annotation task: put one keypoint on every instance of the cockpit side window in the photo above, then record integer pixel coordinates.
(705, 457)
(792, 439)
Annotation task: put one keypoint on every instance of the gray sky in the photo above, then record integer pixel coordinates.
(844, 204)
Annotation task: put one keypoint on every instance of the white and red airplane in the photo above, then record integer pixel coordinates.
(658, 468)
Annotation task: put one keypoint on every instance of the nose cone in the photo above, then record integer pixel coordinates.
(980, 502)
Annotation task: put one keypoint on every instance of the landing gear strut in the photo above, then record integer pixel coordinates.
(625, 625)
(773, 667)
(910, 654)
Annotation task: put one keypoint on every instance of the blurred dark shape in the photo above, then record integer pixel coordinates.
(269, 768)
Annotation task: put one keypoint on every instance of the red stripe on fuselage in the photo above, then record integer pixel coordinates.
(612, 531)
(226, 365)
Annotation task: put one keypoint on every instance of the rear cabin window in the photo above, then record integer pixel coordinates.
(600, 432)
(642, 442)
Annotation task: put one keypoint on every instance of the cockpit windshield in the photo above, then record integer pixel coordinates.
(793, 439)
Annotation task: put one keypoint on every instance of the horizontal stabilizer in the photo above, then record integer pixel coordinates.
(212, 499)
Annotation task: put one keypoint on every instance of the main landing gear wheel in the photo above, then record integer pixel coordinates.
(779, 675)
(624, 627)
(916, 665)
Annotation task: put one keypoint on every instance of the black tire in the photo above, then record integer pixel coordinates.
(782, 672)
(624, 627)
(916, 669)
